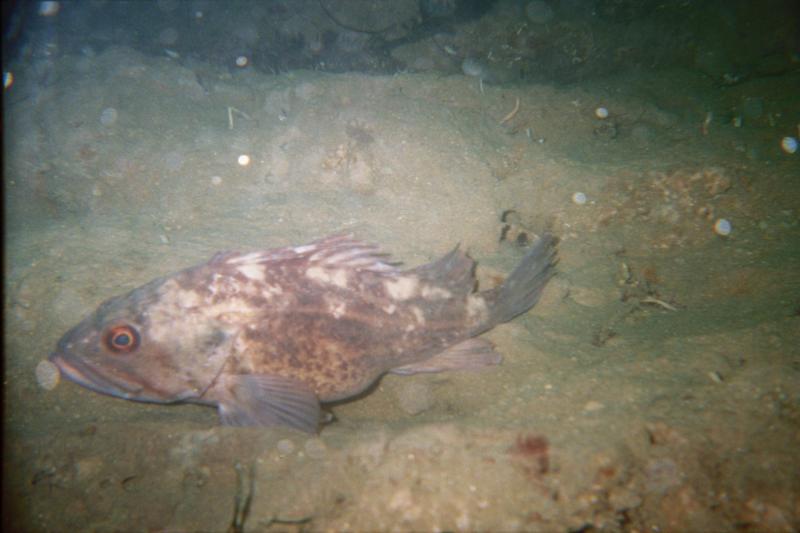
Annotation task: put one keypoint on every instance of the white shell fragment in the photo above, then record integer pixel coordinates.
(723, 227)
(579, 198)
(47, 375)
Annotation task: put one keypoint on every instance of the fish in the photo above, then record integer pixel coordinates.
(268, 336)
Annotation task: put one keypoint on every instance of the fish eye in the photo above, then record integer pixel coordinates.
(122, 339)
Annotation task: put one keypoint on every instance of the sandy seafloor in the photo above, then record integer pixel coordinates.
(656, 387)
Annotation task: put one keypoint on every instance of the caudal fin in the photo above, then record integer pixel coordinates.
(522, 289)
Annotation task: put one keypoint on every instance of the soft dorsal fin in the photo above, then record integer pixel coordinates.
(454, 272)
(339, 251)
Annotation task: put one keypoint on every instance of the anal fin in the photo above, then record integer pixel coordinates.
(471, 354)
(267, 400)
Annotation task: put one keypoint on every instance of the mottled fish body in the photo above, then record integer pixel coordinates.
(266, 336)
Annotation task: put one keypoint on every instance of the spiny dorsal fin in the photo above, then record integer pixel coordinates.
(335, 251)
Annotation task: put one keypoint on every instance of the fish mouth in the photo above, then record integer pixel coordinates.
(83, 374)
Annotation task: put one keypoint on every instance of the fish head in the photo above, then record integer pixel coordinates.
(127, 350)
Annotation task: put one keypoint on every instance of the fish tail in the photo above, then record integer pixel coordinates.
(522, 289)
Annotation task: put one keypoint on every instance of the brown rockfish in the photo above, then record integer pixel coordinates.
(266, 336)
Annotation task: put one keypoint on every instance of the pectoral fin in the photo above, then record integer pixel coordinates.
(471, 354)
(265, 400)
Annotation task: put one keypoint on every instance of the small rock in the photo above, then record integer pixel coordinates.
(753, 107)
(88, 468)
(789, 145)
(593, 405)
(661, 475)
(315, 448)
(285, 446)
(722, 227)
(109, 116)
(643, 133)
(538, 12)
(589, 297)
(415, 397)
(401, 499)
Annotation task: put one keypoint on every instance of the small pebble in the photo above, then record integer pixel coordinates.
(244, 160)
(539, 12)
(601, 113)
(174, 161)
(216, 180)
(722, 227)
(593, 405)
(579, 198)
(47, 375)
(285, 446)
(789, 145)
(108, 116)
(474, 67)
(168, 36)
(415, 396)
(315, 448)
